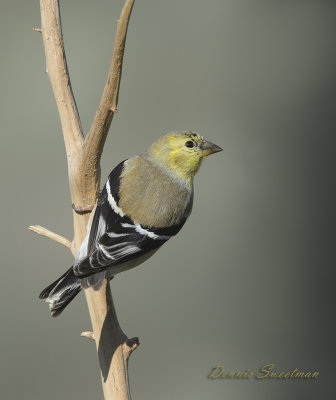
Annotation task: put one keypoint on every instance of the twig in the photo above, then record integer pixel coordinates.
(95, 139)
(51, 235)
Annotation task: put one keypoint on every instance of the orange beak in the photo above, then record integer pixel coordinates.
(209, 148)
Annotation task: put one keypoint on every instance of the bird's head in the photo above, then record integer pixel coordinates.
(182, 152)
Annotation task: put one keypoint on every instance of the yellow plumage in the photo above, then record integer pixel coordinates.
(156, 188)
(145, 201)
(171, 151)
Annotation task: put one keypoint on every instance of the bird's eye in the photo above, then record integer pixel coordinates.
(189, 144)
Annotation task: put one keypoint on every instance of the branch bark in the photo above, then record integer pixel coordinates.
(59, 75)
(113, 346)
(95, 139)
(51, 235)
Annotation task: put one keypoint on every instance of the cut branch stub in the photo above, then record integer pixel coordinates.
(88, 334)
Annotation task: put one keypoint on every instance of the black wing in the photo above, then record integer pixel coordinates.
(114, 239)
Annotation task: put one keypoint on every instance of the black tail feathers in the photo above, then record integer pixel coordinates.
(60, 293)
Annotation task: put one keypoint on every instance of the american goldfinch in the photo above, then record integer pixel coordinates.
(145, 201)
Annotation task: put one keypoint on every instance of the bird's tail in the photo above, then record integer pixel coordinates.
(61, 292)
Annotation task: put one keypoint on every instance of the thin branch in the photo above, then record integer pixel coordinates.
(51, 235)
(59, 75)
(95, 139)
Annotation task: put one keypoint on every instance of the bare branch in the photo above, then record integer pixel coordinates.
(59, 75)
(51, 235)
(94, 142)
(112, 344)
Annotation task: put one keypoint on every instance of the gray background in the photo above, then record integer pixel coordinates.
(249, 280)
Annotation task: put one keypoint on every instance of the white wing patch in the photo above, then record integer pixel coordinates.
(116, 235)
(105, 252)
(123, 251)
(111, 200)
(82, 251)
(101, 228)
(145, 232)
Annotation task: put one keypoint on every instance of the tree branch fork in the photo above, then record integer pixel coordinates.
(84, 154)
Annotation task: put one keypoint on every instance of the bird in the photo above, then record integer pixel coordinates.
(145, 201)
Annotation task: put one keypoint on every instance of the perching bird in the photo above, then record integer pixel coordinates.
(145, 201)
